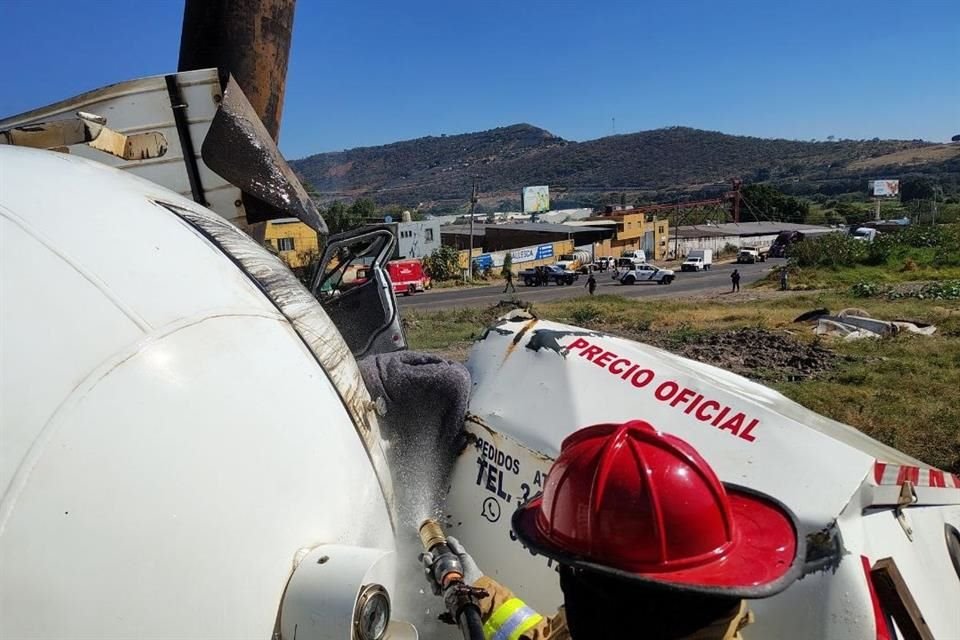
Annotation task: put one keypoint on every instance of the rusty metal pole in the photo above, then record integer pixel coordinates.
(249, 39)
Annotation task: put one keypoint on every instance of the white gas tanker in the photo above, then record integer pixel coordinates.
(188, 449)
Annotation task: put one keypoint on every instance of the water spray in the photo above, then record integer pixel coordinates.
(445, 573)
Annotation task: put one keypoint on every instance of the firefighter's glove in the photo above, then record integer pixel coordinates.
(426, 559)
(471, 572)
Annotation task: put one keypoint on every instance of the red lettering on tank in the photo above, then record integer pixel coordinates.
(746, 432)
(641, 378)
(693, 405)
(733, 424)
(618, 370)
(702, 415)
(697, 404)
(591, 351)
(604, 358)
(684, 395)
(720, 416)
(666, 390)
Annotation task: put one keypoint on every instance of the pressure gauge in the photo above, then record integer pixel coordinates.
(372, 614)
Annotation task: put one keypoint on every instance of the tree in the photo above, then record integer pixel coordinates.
(341, 218)
(955, 138)
(507, 264)
(770, 203)
(363, 208)
(443, 263)
(916, 188)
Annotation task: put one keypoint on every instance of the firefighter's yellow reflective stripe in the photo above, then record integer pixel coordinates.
(510, 621)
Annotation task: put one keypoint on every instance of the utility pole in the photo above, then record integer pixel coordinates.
(676, 232)
(473, 204)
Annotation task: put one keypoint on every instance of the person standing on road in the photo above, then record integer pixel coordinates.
(591, 284)
(735, 280)
(783, 279)
(508, 276)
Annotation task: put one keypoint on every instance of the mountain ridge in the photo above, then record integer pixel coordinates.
(436, 172)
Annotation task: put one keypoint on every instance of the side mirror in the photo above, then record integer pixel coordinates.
(354, 288)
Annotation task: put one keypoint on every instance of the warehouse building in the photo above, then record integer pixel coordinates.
(743, 234)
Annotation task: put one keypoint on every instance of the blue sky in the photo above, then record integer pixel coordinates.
(364, 72)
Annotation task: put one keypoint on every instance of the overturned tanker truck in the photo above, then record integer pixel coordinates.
(190, 450)
(193, 444)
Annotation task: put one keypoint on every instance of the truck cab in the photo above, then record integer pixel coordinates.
(750, 255)
(698, 260)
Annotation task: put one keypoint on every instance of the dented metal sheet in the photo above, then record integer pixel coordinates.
(239, 148)
(312, 325)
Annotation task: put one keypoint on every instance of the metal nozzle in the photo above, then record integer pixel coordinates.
(431, 534)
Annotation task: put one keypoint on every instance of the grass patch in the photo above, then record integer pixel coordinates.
(902, 391)
(816, 278)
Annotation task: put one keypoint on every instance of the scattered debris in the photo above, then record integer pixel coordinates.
(855, 324)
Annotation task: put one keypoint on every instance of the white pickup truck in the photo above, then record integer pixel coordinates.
(645, 272)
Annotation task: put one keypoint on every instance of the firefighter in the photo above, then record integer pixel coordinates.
(649, 543)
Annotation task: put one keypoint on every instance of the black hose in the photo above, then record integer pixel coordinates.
(471, 624)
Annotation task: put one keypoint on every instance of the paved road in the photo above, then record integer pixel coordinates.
(716, 280)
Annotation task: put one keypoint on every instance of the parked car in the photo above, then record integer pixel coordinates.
(698, 260)
(645, 272)
(864, 234)
(554, 273)
(407, 276)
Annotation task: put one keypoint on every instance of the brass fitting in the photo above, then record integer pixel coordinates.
(431, 534)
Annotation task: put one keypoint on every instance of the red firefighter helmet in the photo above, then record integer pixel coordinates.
(629, 501)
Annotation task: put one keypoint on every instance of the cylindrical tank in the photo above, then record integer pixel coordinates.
(170, 443)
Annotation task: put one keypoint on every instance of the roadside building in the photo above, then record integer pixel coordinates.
(295, 243)
(458, 235)
(743, 234)
(416, 239)
(502, 237)
(632, 229)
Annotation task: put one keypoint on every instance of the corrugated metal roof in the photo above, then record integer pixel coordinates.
(746, 229)
(544, 227)
(462, 229)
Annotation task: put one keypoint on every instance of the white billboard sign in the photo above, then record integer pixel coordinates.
(535, 199)
(885, 188)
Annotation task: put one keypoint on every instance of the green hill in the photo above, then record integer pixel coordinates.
(436, 172)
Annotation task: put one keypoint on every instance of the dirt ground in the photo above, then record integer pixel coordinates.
(758, 354)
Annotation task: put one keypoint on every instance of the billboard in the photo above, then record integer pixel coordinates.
(524, 254)
(885, 188)
(535, 199)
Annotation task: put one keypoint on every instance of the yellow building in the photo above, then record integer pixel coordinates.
(634, 230)
(295, 243)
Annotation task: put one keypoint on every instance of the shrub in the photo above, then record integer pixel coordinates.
(828, 250)
(443, 263)
(585, 314)
(867, 289)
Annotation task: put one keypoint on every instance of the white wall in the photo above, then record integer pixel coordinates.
(417, 239)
